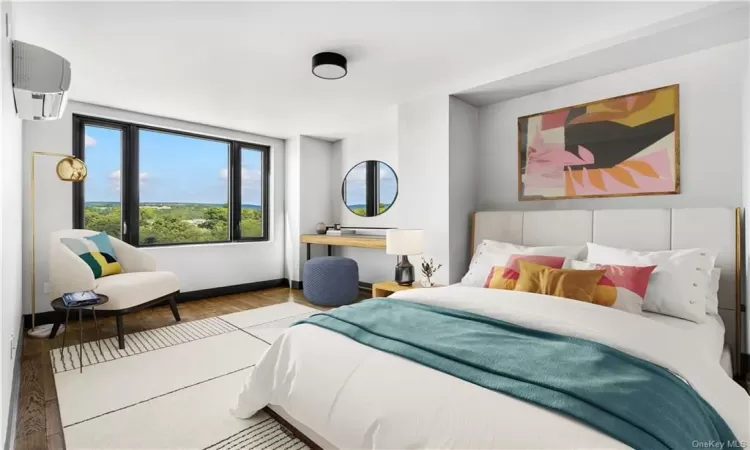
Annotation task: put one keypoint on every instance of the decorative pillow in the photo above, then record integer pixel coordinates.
(567, 283)
(712, 299)
(621, 287)
(505, 277)
(97, 252)
(493, 253)
(678, 286)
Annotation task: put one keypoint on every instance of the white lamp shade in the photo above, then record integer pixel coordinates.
(404, 242)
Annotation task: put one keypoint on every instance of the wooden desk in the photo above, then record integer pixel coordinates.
(376, 242)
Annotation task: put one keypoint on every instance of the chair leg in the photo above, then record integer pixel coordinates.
(173, 306)
(55, 327)
(120, 332)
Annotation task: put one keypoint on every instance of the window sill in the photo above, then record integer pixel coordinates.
(204, 244)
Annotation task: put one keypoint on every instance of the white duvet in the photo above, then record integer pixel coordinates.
(354, 396)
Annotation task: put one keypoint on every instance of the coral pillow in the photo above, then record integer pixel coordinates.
(621, 287)
(567, 283)
(505, 277)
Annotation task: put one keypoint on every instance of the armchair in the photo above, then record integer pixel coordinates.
(138, 287)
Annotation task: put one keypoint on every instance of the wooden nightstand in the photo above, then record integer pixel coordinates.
(386, 288)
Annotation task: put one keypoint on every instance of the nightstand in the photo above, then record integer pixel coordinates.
(386, 288)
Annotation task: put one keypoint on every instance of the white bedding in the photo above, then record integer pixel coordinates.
(706, 337)
(358, 397)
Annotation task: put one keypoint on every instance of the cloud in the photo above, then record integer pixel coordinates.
(116, 175)
(386, 172)
(89, 141)
(249, 176)
(357, 173)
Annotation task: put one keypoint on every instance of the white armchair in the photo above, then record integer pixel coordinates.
(139, 286)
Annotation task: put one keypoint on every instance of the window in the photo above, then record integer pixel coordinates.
(252, 192)
(150, 186)
(102, 187)
(182, 182)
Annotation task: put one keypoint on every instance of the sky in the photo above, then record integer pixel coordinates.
(173, 168)
(356, 185)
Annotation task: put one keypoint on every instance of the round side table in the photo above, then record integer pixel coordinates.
(59, 305)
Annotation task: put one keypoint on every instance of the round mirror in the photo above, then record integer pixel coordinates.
(370, 188)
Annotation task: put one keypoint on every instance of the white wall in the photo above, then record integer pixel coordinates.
(10, 225)
(197, 266)
(423, 162)
(291, 209)
(711, 124)
(463, 159)
(315, 192)
(308, 198)
(378, 142)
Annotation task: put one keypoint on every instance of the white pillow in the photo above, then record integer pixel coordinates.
(678, 286)
(712, 299)
(493, 253)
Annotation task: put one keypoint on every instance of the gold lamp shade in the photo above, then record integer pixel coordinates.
(71, 169)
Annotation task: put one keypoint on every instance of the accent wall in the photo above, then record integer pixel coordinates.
(711, 127)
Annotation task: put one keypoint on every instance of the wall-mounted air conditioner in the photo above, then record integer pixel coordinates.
(41, 80)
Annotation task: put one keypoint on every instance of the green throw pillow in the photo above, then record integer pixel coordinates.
(97, 252)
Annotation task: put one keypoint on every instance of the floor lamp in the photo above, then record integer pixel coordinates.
(69, 168)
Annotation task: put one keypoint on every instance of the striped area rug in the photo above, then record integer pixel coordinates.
(64, 359)
(172, 387)
(268, 434)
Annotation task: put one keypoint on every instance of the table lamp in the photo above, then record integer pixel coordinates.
(404, 243)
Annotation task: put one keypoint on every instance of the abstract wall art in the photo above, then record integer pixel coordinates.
(621, 146)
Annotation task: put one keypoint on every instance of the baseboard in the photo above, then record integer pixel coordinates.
(229, 290)
(10, 428)
(46, 317)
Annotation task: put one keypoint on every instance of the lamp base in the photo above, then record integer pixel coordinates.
(43, 331)
(404, 272)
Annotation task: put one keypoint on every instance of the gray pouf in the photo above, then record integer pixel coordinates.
(331, 281)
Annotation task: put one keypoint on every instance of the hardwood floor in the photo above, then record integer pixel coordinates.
(39, 426)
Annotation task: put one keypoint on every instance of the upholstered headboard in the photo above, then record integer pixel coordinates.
(637, 229)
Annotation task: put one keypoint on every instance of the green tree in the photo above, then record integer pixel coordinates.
(106, 219)
(250, 223)
(215, 217)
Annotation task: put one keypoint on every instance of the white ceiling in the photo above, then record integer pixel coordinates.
(246, 66)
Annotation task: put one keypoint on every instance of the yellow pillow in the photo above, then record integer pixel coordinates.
(567, 283)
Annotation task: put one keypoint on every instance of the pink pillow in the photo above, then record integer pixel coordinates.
(504, 277)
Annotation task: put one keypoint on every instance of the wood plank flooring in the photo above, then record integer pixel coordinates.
(39, 426)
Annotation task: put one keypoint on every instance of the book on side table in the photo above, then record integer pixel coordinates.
(77, 299)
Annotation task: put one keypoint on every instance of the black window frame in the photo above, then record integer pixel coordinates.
(129, 180)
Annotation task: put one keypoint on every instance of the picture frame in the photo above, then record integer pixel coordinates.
(621, 146)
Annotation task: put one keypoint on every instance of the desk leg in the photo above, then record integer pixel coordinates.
(308, 252)
(330, 250)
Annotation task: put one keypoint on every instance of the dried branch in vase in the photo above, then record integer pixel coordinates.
(429, 269)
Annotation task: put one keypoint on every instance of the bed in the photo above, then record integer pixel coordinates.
(343, 394)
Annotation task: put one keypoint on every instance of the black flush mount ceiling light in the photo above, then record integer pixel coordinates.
(329, 66)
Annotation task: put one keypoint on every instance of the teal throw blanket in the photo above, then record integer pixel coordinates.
(634, 401)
